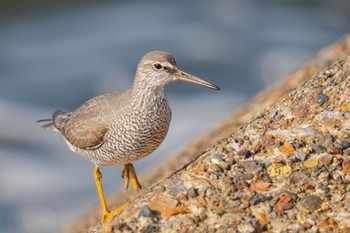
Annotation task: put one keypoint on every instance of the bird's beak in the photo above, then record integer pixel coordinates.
(183, 76)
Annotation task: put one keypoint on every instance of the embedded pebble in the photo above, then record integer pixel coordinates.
(246, 228)
(347, 177)
(311, 202)
(311, 163)
(321, 99)
(218, 160)
(151, 228)
(284, 203)
(300, 155)
(337, 197)
(327, 116)
(258, 198)
(293, 133)
(192, 192)
(145, 212)
(318, 149)
(344, 144)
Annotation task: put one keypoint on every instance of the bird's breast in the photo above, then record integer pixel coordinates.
(139, 131)
(152, 122)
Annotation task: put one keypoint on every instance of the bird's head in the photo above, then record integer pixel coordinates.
(158, 68)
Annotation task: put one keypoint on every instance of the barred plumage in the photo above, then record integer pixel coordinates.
(121, 127)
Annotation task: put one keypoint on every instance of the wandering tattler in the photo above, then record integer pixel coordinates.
(121, 127)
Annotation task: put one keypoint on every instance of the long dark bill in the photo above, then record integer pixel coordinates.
(183, 76)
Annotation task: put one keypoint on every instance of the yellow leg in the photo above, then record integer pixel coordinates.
(106, 213)
(127, 171)
(126, 176)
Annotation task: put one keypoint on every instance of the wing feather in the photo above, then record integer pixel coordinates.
(84, 128)
(85, 134)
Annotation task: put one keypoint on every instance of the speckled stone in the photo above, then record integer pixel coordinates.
(344, 144)
(300, 155)
(321, 99)
(192, 192)
(146, 212)
(311, 203)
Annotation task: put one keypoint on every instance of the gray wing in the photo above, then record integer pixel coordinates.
(84, 128)
(87, 126)
(87, 134)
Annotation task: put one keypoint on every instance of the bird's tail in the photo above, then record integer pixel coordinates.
(48, 126)
(55, 122)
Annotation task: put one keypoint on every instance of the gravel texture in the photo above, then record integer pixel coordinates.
(284, 168)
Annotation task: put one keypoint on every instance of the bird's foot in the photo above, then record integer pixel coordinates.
(108, 214)
(130, 171)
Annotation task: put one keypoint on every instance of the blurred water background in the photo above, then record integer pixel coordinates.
(57, 54)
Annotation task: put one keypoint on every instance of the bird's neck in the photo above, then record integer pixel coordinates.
(145, 95)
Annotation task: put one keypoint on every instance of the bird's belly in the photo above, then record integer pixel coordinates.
(135, 138)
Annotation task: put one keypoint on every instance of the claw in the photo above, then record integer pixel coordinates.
(130, 171)
(126, 175)
(107, 215)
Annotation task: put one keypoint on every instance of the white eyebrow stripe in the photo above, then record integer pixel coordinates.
(164, 63)
(167, 64)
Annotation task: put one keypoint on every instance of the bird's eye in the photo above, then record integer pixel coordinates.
(158, 66)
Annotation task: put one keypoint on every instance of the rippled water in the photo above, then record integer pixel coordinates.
(58, 56)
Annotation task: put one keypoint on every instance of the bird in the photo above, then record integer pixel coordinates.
(121, 127)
